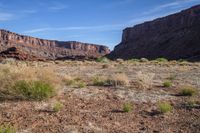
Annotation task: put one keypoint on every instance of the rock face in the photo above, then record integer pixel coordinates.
(176, 36)
(29, 48)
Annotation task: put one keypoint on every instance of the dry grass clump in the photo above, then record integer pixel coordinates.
(7, 129)
(68, 80)
(119, 79)
(57, 106)
(80, 84)
(161, 60)
(167, 84)
(74, 82)
(99, 81)
(103, 60)
(33, 78)
(127, 107)
(143, 80)
(165, 107)
(33, 90)
(188, 91)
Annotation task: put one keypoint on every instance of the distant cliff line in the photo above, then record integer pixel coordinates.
(31, 48)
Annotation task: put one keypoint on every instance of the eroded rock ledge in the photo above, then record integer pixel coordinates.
(22, 47)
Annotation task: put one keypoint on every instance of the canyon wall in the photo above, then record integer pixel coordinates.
(22, 47)
(173, 37)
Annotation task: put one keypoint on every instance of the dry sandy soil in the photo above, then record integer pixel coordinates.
(99, 109)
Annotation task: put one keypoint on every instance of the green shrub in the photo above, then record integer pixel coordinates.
(165, 107)
(167, 84)
(188, 91)
(81, 84)
(34, 90)
(103, 60)
(161, 60)
(127, 107)
(7, 129)
(57, 106)
(97, 81)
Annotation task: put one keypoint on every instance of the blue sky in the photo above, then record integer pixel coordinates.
(92, 21)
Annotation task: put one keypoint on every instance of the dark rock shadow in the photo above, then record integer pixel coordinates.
(152, 113)
(117, 111)
(189, 107)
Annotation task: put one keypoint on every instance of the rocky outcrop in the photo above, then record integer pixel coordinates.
(173, 37)
(29, 48)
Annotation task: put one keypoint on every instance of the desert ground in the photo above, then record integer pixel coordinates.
(135, 96)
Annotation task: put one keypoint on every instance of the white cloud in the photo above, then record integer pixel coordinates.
(147, 15)
(56, 6)
(148, 18)
(29, 11)
(5, 16)
(175, 4)
(90, 28)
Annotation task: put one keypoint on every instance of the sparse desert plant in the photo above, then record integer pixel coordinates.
(165, 107)
(74, 82)
(33, 90)
(13, 73)
(80, 84)
(67, 80)
(119, 79)
(7, 129)
(193, 102)
(144, 80)
(57, 106)
(127, 107)
(48, 76)
(99, 81)
(188, 91)
(134, 61)
(103, 60)
(167, 84)
(161, 60)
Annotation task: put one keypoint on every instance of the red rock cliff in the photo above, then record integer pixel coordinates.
(176, 36)
(30, 48)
